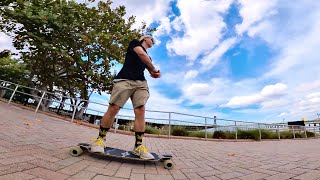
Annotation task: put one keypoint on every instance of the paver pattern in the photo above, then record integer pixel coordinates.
(35, 146)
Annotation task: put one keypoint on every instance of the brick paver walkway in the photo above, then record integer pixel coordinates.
(35, 146)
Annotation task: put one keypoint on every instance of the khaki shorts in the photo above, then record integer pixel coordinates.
(138, 91)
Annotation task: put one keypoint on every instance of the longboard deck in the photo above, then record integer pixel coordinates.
(123, 154)
(119, 153)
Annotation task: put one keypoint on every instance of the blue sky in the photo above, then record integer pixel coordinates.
(236, 59)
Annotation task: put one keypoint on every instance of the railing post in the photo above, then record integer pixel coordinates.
(13, 94)
(259, 131)
(169, 134)
(40, 102)
(74, 112)
(205, 121)
(305, 132)
(116, 127)
(236, 129)
(278, 132)
(294, 133)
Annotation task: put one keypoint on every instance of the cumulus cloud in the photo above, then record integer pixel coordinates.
(275, 103)
(191, 74)
(148, 11)
(215, 55)
(253, 12)
(273, 90)
(267, 92)
(201, 23)
(197, 89)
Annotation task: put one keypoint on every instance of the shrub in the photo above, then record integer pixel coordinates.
(299, 135)
(286, 135)
(249, 134)
(164, 130)
(121, 127)
(219, 135)
(267, 134)
(310, 134)
(151, 130)
(231, 134)
(200, 134)
(179, 131)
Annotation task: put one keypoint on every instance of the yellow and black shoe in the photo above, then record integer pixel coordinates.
(98, 145)
(142, 152)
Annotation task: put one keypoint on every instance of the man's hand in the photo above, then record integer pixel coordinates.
(155, 74)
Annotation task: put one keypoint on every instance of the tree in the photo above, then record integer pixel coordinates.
(69, 45)
(11, 70)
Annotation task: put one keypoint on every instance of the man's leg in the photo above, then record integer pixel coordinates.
(108, 119)
(139, 124)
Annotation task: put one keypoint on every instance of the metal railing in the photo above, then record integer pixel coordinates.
(203, 124)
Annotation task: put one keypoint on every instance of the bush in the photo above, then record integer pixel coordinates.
(219, 135)
(310, 134)
(249, 134)
(151, 130)
(286, 135)
(200, 134)
(164, 130)
(179, 131)
(121, 127)
(299, 135)
(267, 134)
(231, 134)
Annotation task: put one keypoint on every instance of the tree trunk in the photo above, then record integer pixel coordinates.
(2, 92)
(61, 106)
(84, 107)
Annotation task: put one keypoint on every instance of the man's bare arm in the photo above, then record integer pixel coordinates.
(145, 59)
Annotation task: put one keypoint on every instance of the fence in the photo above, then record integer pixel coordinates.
(162, 121)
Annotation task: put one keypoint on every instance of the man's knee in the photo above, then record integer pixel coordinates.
(140, 109)
(114, 107)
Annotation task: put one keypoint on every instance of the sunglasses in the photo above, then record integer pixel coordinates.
(152, 40)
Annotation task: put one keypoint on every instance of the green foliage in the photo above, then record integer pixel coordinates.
(286, 135)
(12, 70)
(151, 130)
(179, 131)
(200, 134)
(249, 134)
(164, 130)
(310, 134)
(69, 45)
(121, 127)
(266, 134)
(219, 135)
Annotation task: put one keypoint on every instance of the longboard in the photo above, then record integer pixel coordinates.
(120, 153)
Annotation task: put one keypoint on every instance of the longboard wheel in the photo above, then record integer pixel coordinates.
(75, 151)
(168, 164)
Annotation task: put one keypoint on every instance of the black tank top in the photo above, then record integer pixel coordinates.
(133, 68)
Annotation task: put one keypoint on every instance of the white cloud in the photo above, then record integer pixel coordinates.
(308, 86)
(253, 12)
(214, 56)
(197, 89)
(149, 11)
(269, 91)
(240, 101)
(163, 28)
(275, 103)
(273, 90)
(202, 25)
(191, 74)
